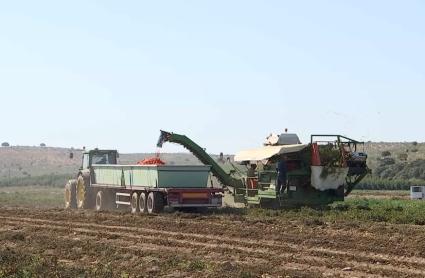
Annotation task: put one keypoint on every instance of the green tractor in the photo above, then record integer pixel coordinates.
(284, 172)
(78, 193)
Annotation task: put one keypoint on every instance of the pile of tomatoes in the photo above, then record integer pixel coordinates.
(151, 161)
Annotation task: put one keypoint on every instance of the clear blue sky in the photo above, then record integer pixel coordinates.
(226, 73)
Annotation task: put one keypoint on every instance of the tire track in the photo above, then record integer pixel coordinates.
(417, 261)
(342, 239)
(312, 263)
(193, 240)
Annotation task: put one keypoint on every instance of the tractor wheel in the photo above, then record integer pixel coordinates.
(100, 201)
(70, 194)
(155, 202)
(134, 203)
(142, 203)
(83, 194)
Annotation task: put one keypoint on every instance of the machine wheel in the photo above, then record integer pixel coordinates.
(134, 203)
(85, 200)
(100, 201)
(142, 203)
(155, 202)
(70, 194)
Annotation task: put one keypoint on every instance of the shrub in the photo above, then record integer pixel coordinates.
(403, 156)
(5, 144)
(385, 154)
(387, 161)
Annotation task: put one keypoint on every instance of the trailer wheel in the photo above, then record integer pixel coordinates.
(142, 203)
(155, 202)
(134, 203)
(70, 194)
(100, 201)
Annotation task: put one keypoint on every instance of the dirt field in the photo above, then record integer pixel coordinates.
(53, 242)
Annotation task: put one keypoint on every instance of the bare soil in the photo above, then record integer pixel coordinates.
(89, 244)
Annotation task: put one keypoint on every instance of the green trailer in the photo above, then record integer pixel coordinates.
(103, 184)
(152, 176)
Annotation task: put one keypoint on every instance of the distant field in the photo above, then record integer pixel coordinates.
(32, 196)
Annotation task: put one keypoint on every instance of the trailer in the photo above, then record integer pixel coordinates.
(103, 184)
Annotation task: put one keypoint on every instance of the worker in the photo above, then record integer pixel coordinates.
(282, 171)
(252, 176)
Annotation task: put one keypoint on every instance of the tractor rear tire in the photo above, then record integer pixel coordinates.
(142, 203)
(134, 203)
(70, 194)
(83, 194)
(155, 202)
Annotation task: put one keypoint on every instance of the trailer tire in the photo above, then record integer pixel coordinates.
(70, 194)
(134, 203)
(142, 203)
(101, 201)
(155, 202)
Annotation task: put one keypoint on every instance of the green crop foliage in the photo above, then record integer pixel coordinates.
(357, 209)
(44, 180)
(395, 211)
(375, 183)
(32, 196)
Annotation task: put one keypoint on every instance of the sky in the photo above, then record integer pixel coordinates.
(111, 74)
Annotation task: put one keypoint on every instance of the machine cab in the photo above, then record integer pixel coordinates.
(97, 156)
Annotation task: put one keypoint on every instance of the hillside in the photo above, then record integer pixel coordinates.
(38, 165)
(52, 166)
(414, 152)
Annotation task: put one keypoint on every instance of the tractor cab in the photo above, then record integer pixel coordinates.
(97, 156)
